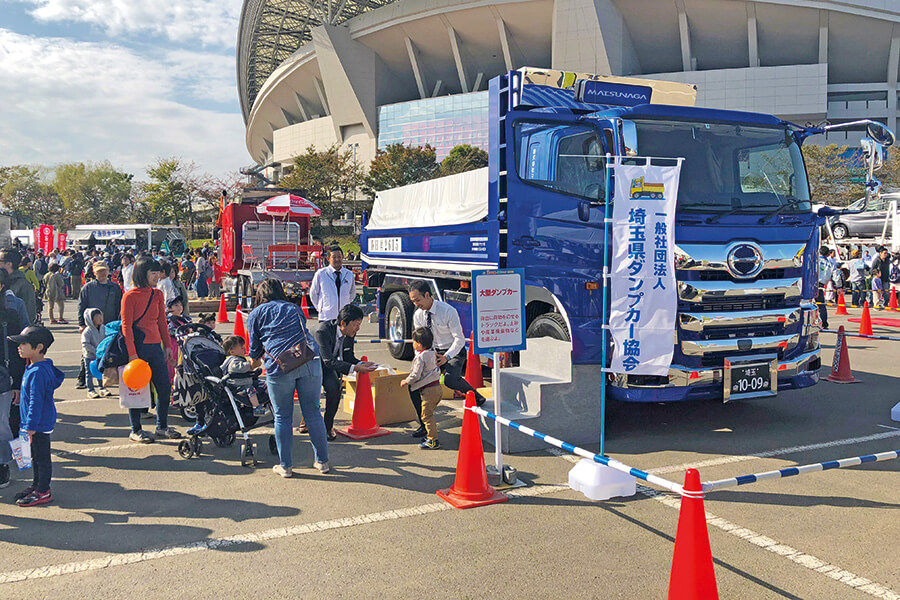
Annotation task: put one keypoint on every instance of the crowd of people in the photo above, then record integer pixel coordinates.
(147, 295)
(864, 276)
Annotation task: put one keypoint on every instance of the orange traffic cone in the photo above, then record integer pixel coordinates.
(470, 488)
(840, 365)
(473, 366)
(865, 323)
(304, 306)
(239, 329)
(841, 304)
(692, 577)
(892, 304)
(223, 311)
(363, 424)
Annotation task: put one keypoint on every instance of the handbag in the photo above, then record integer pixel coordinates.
(294, 357)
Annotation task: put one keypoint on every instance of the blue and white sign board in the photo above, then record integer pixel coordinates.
(644, 298)
(498, 310)
(592, 91)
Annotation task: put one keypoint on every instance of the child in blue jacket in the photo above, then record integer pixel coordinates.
(37, 409)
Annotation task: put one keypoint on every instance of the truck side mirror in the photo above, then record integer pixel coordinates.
(584, 211)
(874, 153)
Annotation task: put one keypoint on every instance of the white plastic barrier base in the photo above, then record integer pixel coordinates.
(895, 412)
(599, 482)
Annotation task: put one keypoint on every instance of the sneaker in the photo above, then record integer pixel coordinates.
(35, 498)
(301, 428)
(62, 322)
(331, 435)
(260, 411)
(80, 386)
(430, 444)
(141, 436)
(4, 476)
(27, 491)
(321, 466)
(54, 322)
(106, 393)
(168, 433)
(419, 433)
(279, 470)
(93, 394)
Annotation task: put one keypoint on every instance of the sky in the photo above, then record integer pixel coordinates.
(127, 81)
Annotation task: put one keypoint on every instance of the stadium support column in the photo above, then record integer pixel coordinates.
(591, 36)
(893, 67)
(355, 81)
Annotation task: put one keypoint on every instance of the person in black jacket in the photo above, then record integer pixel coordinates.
(336, 341)
(13, 366)
(99, 293)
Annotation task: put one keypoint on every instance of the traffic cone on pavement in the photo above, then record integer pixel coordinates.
(304, 306)
(841, 304)
(865, 323)
(470, 487)
(473, 366)
(223, 311)
(239, 329)
(892, 304)
(363, 424)
(840, 365)
(692, 577)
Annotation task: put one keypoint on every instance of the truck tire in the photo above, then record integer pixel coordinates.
(550, 325)
(398, 323)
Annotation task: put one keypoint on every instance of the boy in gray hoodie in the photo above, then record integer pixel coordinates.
(90, 337)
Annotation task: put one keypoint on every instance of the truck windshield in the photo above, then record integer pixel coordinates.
(728, 167)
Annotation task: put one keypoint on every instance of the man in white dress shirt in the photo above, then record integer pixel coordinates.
(333, 287)
(449, 341)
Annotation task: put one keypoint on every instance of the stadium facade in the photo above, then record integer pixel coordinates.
(366, 73)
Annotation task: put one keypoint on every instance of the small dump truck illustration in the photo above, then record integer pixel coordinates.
(646, 191)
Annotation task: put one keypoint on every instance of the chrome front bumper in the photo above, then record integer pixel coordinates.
(682, 377)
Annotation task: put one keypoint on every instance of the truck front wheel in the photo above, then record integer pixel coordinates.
(550, 325)
(399, 312)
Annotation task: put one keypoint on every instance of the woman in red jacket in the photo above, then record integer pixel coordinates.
(143, 308)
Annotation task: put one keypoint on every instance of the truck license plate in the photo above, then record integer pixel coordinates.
(750, 377)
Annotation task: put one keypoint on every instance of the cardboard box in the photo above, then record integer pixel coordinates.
(392, 403)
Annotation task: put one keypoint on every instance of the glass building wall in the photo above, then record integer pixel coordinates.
(443, 122)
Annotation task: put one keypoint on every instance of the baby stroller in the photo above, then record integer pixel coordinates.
(226, 407)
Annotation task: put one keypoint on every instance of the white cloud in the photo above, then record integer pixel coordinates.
(204, 75)
(206, 21)
(65, 100)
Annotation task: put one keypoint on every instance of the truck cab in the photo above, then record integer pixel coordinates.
(745, 234)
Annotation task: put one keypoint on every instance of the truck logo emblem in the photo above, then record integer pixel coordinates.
(745, 261)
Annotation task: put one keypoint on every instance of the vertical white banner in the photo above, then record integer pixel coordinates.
(644, 298)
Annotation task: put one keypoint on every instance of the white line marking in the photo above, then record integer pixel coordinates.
(95, 450)
(889, 427)
(246, 538)
(724, 460)
(807, 560)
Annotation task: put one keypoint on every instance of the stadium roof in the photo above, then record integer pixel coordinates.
(271, 30)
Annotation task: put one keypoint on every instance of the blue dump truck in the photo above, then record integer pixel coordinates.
(746, 239)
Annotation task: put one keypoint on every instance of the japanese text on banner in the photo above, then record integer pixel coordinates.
(644, 296)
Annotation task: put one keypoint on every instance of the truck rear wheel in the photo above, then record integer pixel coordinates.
(550, 325)
(399, 310)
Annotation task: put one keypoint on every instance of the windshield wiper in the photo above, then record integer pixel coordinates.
(734, 211)
(780, 209)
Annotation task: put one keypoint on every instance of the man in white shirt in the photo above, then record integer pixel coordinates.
(333, 287)
(449, 341)
(127, 270)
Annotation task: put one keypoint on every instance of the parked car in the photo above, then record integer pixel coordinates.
(869, 223)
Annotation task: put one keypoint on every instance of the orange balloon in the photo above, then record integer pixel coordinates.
(136, 374)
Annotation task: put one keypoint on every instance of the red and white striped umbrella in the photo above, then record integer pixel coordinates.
(288, 204)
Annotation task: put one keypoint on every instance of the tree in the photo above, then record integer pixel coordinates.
(463, 158)
(399, 165)
(89, 193)
(830, 170)
(328, 177)
(25, 193)
(165, 196)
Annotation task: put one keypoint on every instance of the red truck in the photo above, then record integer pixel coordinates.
(254, 246)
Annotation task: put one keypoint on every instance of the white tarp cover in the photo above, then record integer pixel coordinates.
(451, 200)
(644, 297)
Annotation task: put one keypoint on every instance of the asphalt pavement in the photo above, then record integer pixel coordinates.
(131, 520)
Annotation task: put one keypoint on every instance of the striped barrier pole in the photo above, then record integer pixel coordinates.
(710, 486)
(603, 460)
(868, 337)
